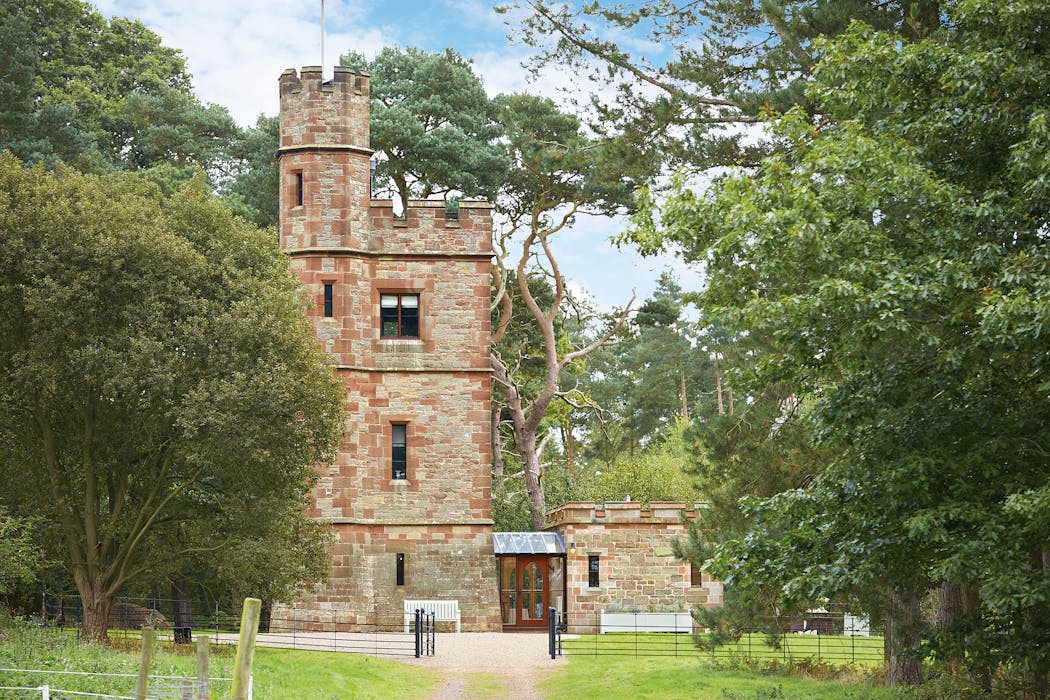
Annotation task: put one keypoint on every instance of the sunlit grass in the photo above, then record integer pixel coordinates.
(588, 677)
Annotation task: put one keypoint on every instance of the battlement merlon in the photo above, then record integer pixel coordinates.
(317, 113)
(345, 80)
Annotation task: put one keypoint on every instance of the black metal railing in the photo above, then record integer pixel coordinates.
(374, 632)
(824, 638)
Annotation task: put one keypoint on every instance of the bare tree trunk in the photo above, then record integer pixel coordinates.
(401, 183)
(96, 604)
(497, 443)
(570, 446)
(950, 609)
(903, 637)
(980, 675)
(180, 588)
(527, 414)
(950, 604)
(530, 458)
(730, 400)
(1036, 683)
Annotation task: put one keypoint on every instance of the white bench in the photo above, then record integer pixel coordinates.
(444, 611)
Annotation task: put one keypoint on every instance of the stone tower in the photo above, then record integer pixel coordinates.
(401, 303)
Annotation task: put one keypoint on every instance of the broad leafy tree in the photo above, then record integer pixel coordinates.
(162, 397)
(21, 556)
(100, 94)
(894, 258)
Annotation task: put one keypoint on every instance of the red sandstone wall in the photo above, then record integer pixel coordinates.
(638, 569)
(438, 384)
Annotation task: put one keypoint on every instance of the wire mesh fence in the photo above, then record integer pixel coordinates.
(51, 683)
(826, 637)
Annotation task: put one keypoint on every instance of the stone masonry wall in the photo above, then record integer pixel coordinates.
(439, 517)
(638, 571)
(444, 562)
(447, 440)
(324, 138)
(454, 309)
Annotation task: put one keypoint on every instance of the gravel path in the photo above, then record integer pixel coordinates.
(519, 659)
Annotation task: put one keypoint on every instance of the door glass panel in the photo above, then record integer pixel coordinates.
(508, 594)
(532, 592)
(557, 583)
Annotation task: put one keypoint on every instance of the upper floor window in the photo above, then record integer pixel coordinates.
(399, 451)
(299, 188)
(399, 315)
(328, 299)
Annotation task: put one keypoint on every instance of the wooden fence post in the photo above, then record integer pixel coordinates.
(147, 653)
(242, 667)
(203, 648)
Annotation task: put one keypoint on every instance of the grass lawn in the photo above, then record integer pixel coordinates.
(287, 674)
(668, 678)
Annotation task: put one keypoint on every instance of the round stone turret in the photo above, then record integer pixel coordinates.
(324, 158)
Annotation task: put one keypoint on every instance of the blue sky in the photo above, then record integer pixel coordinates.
(237, 50)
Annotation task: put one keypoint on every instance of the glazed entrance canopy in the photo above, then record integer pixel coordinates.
(521, 543)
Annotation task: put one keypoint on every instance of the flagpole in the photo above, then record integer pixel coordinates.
(322, 40)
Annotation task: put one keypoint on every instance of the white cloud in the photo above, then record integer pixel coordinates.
(236, 56)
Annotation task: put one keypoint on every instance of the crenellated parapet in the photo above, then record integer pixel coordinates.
(332, 113)
(622, 512)
(427, 227)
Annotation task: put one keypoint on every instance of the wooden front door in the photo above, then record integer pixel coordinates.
(533, 591)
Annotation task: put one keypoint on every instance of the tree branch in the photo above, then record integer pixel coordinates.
(620, 61)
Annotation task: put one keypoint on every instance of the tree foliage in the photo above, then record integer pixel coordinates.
(252, 190)
(162, 398)
(20, 554)
(894, 259)
(99, 94)
(686, 75)
(432, 123)
(660, 472)
(557, 173)
(656, 372)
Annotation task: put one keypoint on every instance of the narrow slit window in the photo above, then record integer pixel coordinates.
(695, 577)
(299, 189)
(399, 315)
(328, 300)
(593, 571)
(400, 569)
(399, 451)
